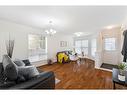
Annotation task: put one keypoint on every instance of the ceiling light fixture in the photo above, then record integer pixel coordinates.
(50, 31)
(111, 26)
(78, 34)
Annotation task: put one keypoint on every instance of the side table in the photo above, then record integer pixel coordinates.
(115, 79)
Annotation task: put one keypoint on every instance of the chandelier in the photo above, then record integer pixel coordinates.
(50, 30)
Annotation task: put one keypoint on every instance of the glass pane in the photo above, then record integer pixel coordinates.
(77, 43)
(93, 51)
(84, 43)
(85, 50)
(78, 50)
(36, 42)
(42, 42)
(109, 44)
(36, 45)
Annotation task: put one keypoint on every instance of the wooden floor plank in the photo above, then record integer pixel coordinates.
(83, 76)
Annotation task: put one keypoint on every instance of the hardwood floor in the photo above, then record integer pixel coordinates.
(83, 76)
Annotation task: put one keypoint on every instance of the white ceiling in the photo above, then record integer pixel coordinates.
(66, 19)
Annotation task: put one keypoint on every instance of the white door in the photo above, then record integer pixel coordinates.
(110, 50)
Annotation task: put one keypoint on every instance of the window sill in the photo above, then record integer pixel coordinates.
(38, 58)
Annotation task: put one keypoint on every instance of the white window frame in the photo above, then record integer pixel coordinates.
(40, 54)
(93, 47)
(82, 47)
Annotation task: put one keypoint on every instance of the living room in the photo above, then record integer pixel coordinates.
(42, 35)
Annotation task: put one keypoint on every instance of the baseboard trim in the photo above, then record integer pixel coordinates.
(39, 63)
(104, 69)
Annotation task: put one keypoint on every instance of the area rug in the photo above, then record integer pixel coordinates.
(108, 66)
(57, 80)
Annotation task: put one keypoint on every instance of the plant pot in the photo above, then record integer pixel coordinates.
(121, 78)
(121, 75)
(49, 61)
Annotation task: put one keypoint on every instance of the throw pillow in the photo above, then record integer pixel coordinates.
(5, 61)
(10, 69)
(20, 79)
(60, 57)
(28, 71)
(19, 62)
(11, 72)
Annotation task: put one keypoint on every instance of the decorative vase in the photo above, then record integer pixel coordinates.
(49, 61)
(121, 75)
(10, 47)
(82, 53)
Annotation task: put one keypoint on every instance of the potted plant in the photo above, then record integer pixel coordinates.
(122, 68)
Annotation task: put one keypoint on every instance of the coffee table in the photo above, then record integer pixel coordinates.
(82, 58)
(76, 61)
(116, 80)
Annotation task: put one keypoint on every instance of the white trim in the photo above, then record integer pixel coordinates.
(39, 63)
(104, 69)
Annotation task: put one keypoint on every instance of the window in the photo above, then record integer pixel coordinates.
(81, 46)
(37, 47)
(109, 44)
(93, 47)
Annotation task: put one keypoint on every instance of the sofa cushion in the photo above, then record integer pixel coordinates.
(46, 79)
(11, 72)
(5, 61)
(28, 71)
(19, 62)
(27, 62)
(20, 79)
(10, 68)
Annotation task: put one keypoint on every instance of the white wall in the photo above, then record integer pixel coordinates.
(53, 42)
(20, 33)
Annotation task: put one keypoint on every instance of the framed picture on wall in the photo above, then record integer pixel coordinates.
(63, 43)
